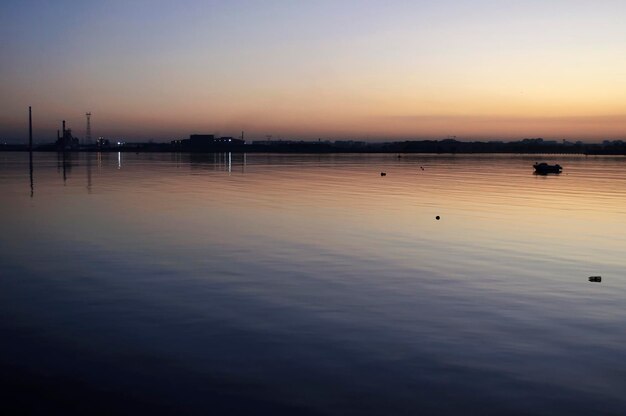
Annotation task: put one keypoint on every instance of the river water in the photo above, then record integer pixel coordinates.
(310, 284)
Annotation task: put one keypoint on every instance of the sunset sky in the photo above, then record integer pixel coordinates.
(370, 70)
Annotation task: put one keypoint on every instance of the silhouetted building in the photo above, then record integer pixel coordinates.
(207, 142)
(201, 139)
(66, 141)
(103, 143)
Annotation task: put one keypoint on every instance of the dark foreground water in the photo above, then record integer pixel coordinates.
(309, 284)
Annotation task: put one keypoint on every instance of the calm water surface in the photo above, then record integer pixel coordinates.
(309, 284)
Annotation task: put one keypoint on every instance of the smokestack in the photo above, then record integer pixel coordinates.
(30, 128)
(58, 136)
(63, 128)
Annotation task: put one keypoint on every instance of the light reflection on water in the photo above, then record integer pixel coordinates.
(309, 283)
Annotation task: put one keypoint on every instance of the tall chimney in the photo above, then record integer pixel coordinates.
(63, 128)
(30, 128)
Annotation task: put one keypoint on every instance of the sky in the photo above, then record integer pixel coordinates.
(366, 70)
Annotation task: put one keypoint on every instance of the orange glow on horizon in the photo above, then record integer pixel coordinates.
(409, 71)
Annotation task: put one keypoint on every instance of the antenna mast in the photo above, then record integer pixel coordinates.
(88, 130)
(30, 129)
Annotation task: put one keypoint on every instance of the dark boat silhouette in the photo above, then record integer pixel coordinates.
(543, 168)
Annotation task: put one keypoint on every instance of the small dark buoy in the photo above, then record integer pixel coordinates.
(383, 174)
(421, 167)
(437, 217)
(595, 279)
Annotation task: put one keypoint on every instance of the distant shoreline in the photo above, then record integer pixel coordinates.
(448, 146)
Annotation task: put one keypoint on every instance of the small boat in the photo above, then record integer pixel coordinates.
(543, 168)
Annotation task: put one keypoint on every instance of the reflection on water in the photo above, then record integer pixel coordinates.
(30, 173)
(309, 284)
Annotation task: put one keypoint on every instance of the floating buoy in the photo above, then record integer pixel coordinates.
(437, 217)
